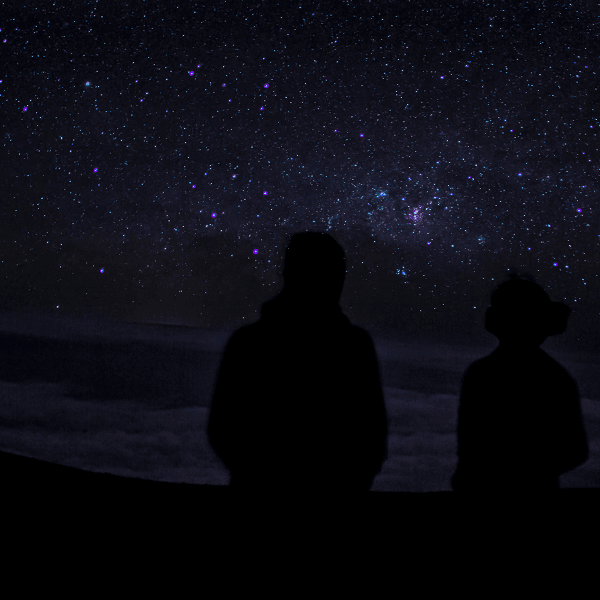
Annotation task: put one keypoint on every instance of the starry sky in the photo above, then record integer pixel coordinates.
(156, 159)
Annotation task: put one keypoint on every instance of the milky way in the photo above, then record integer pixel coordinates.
(157, 159)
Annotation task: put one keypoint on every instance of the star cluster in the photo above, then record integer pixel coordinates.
(156, 159)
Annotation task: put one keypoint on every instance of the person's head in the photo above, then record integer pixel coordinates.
(315, 267)
(521, 313)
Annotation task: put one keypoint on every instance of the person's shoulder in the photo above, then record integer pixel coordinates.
(359, 344)
(357, 331)
(549, 360)
(484, 362)
(551, 364)
(359, 335)
(244, 334)
(482, 365)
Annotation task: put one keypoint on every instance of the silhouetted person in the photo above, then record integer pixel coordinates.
(298, 403)
(519, 418)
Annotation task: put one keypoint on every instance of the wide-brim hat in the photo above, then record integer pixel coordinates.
(519, 306)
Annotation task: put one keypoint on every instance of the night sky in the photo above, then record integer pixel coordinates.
(156, 159)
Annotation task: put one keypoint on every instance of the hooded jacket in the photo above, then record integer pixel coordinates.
(298, 401)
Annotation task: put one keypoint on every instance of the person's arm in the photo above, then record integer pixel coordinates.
(573, 446)
(465, 429)
(224, 422)
(376, 417)
(468, 432)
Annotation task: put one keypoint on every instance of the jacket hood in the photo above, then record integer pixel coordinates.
(290, 310)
